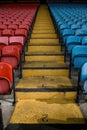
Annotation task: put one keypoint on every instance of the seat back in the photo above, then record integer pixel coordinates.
(8, 32)
(83, 72)
(17, 41)
(84, 40)
(72, 41)
(11, 55)
(6, 72)
(79, 56)
(3, 41)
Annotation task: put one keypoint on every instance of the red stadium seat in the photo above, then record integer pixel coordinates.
(17, 41)
(2, 26)
(13, 26)
(11, 55)
(21, 32)
(3, 41)
(8, 32)
(6, 79)
(23, 26)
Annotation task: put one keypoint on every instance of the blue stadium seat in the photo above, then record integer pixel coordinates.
(78, 57)
(72, 41)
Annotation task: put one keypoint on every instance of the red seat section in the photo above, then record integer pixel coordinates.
(8, 32)
(3, 41)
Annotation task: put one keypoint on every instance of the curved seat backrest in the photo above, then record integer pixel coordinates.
(4, 40)
(84, 40)
(8, 32)
(83, 72)
(6, 71)
(11, 51)
(73, 40)
(67, 32)
(79, 56)
(16, 39)
(21, 32)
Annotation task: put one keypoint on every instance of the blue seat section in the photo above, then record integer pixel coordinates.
(72, 41)
(71, 23)
(79, 56)
(70, 16)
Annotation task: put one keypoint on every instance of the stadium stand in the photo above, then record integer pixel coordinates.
(47, 45)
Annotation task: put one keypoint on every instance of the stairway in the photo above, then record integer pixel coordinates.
(45, 94)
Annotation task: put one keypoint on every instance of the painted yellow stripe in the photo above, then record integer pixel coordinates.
(43, 31)
(44, 58)
(40, 72)
(39, 24)
(46, 82)
(44, 28)
(44, 41)
(44, 112)
(58, 97)
(43, 22)
(45, 64)
(43, 48)
(43, 36)
(52, 29)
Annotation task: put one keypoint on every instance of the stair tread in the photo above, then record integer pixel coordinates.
(46, 112)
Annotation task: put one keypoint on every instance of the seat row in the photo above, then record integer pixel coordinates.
(15, 24)
(71, 24)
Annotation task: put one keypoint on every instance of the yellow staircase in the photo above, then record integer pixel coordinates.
(45, 94)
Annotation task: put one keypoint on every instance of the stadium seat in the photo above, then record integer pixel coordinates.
(82, 81)
(72, 41)
(78, 57)
(6, 80)
(3, 41)
(8, 32)
(21, 32)
(13, 26)
(17, 41)
(11, 55)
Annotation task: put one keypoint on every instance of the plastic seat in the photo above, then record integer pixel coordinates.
(2, 26)
(75, 26)
(81, 32)
(6, 79)
(84, 40)
(8, 32)
(21, 32)
(85, 87)
(82, 81)
(17, 41)
(3, 41)
(78, 57)
(66, 33)
(13, 26)
(72, 41)
(11, 55)
(23, 26)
